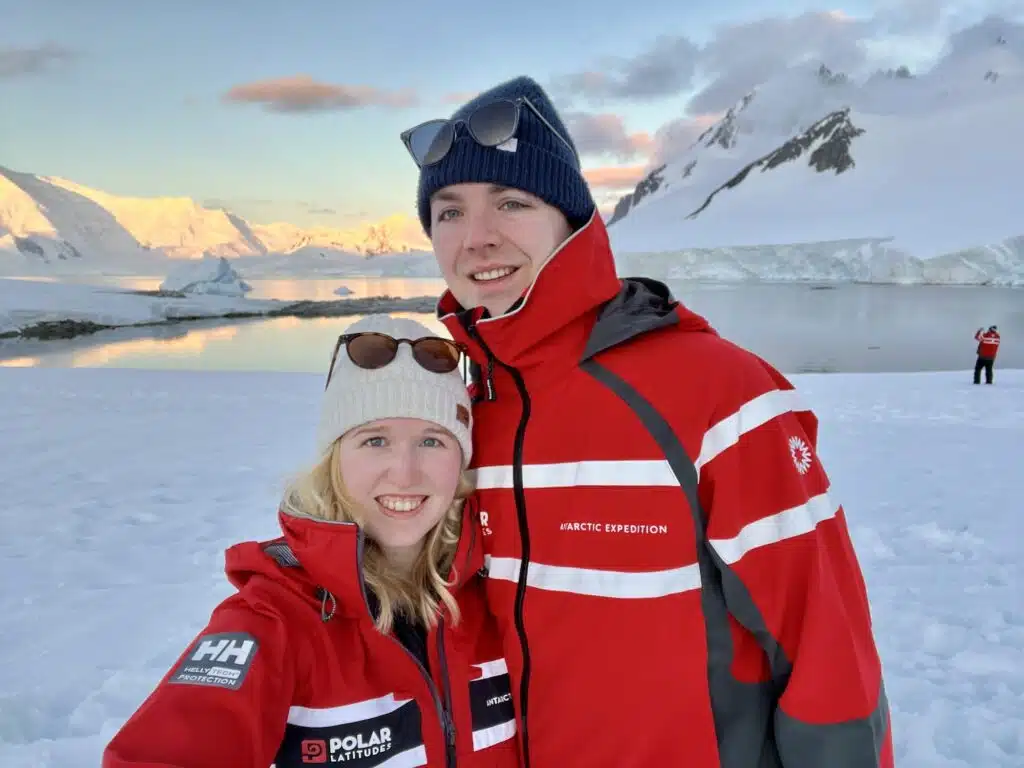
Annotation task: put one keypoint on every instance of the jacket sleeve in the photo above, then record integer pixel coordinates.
(223, 704)
(775, 527)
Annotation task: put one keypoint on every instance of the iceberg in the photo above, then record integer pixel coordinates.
(208, 275)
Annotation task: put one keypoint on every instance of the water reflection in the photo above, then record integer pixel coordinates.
(20, 362)
(187, 346)
(285, 289)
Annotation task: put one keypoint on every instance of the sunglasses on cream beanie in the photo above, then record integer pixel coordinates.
(402, 388)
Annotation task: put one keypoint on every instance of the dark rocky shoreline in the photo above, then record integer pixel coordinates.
(53, 330)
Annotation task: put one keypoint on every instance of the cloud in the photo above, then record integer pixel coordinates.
(736, 58)
(615, 177)
(303, 94)
(909, 17)
(677, 135)
(459, 97)
(18, 62)
(666, 67)
(980, 36)
(741, 56)
(605, 134)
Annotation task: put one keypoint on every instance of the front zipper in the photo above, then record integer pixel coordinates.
(443, 661)
(519, 495)
(443, 711)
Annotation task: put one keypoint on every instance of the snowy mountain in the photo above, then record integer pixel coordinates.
(52, 223)
(928, 165)
(395, 234)
(45, 222)
(814, 175)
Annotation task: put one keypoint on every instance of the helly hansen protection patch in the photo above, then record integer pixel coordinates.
(220, 660)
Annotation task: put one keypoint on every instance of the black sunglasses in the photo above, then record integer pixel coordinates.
(371, 350)
(489, 124)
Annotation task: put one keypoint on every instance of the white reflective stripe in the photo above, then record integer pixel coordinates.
(750, 416)
(491, 669)
(640, 472)
(775, 528)
(411, 758)
(488, 737)
(585, 581)
(347, 713)
(646, 472)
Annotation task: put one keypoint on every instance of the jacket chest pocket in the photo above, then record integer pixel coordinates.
(373, 732)
(490, 702)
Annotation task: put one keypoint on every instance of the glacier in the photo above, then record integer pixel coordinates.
(868, 260)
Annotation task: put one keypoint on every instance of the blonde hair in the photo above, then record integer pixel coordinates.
(321, 493)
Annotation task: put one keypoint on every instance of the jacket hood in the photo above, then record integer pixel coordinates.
(575, 308)
(322, 561)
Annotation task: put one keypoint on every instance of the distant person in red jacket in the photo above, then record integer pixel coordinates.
(667, 561)
(361, 636)
(988, 348)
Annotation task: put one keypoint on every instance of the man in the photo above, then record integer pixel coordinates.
(674, 584)
(988, 348)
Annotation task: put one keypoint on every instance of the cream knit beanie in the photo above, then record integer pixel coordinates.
(401, 389)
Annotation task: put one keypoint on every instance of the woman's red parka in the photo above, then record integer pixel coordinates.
(291, 671)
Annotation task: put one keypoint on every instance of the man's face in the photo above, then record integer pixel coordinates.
(490, 241)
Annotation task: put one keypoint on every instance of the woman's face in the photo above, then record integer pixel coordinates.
(403, 475)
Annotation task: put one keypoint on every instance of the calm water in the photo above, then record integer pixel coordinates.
(799, 328)
(307, 289)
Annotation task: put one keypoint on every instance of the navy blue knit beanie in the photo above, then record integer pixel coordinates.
(541, 164)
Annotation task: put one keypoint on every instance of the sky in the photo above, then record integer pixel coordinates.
(291, 111)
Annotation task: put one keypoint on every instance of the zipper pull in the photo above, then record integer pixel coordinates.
(491, 396)
(489, 375)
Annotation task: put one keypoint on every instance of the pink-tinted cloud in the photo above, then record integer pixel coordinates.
(614, 177)
(459, 97)
(301, 93)
(606, 134)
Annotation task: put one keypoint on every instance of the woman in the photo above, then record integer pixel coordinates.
(361, 636)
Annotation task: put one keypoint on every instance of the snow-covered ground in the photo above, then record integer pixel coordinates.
(26, 302)
(122, 488)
